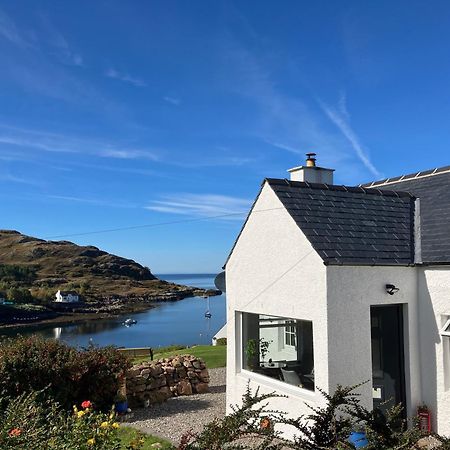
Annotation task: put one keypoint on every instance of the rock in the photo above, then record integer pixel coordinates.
(156, 381)
(184, 388)
(201, 388)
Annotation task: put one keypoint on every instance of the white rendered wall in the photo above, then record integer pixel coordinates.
(274, 270)
(351, 292)
(434, 291)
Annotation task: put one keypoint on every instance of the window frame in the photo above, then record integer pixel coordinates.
(273, 383)
(290, 333)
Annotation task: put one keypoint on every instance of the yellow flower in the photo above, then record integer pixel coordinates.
(80, 414)
(112, 415)
(104, 424)
(115, 425)
(75, 409)
(91, 441)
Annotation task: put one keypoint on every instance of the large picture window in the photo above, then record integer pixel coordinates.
(279, 347)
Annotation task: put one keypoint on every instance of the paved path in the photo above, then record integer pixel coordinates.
(178, 415)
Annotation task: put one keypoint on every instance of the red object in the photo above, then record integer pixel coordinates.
(424, 420)
(15, 432)
(86, 404)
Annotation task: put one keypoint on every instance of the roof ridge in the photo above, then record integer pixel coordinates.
(408, 177)
(336, 187)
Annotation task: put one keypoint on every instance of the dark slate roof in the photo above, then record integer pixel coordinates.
(432, 187)
(351, 225)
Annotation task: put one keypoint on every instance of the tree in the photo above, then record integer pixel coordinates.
(19, 295)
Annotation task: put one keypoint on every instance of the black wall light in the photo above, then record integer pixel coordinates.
(391, 289)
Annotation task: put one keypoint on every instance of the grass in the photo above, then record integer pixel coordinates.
(214, 356)
(128, 434)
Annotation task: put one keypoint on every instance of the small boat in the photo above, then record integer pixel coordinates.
(205, 296)
(129, 322)
(208, 309)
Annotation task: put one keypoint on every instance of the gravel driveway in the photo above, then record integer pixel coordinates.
(173, 418)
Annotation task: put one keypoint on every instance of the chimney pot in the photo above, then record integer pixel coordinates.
(311, 173)
(310, 160)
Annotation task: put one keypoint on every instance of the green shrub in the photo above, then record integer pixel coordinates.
(70, 375)
(19, 295)
(326, 428)
(28, 423)
(221, 341)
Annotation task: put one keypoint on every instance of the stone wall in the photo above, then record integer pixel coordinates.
(156, 381)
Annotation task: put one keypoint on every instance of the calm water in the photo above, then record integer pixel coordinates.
(181, 322)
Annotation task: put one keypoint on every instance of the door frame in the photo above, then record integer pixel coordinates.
(401, 316)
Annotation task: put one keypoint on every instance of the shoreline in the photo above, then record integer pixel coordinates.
(65, 318)
(69, 318)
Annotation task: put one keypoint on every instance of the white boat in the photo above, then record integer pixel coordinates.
(129, 322)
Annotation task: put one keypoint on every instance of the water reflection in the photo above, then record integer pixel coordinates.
(180, 322)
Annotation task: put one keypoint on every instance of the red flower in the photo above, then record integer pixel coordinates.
(86, 404)
(265, 423)
(15, 432)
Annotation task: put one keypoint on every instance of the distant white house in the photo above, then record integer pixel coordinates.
(67, 297)
(330, 285)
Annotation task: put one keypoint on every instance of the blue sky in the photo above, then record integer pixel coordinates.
(122, 113)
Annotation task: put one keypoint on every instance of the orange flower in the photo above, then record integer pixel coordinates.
(265, 423)
(86, 404)
(15, 432)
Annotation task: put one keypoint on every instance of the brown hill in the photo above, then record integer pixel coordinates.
(53, 265)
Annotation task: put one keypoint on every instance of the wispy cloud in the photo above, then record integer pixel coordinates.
(55, 43)
(129, 154)
(53, 142)
(92, 201)
(10, 32)
(126, 78)
(287, 122)
(202, 205)
(172, 100)
(344, 126)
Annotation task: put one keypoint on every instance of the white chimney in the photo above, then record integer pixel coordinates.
(311, 173)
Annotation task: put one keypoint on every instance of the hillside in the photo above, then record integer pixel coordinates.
(46, 266)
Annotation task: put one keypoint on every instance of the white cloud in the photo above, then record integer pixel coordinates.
(172, 100)
(351, 136)
(113, 73)
(128, 154)
(202, 205)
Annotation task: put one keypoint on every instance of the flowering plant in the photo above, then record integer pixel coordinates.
(30, 423)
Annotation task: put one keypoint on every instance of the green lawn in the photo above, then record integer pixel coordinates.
(127, 435)
(214, 356)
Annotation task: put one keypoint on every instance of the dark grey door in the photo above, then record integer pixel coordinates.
(388, 360)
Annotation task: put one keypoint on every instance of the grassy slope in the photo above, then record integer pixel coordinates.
(214, 356)
(127, 434)
(65, 265)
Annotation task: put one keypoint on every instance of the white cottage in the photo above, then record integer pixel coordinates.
(331, 285)
(67, 297)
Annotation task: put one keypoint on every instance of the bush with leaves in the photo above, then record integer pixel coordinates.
(70, 375)
(326, 428)
(243, 422)
(31, 423)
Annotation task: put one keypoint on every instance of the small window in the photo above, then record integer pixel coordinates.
(290, 333)
(445, 330)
